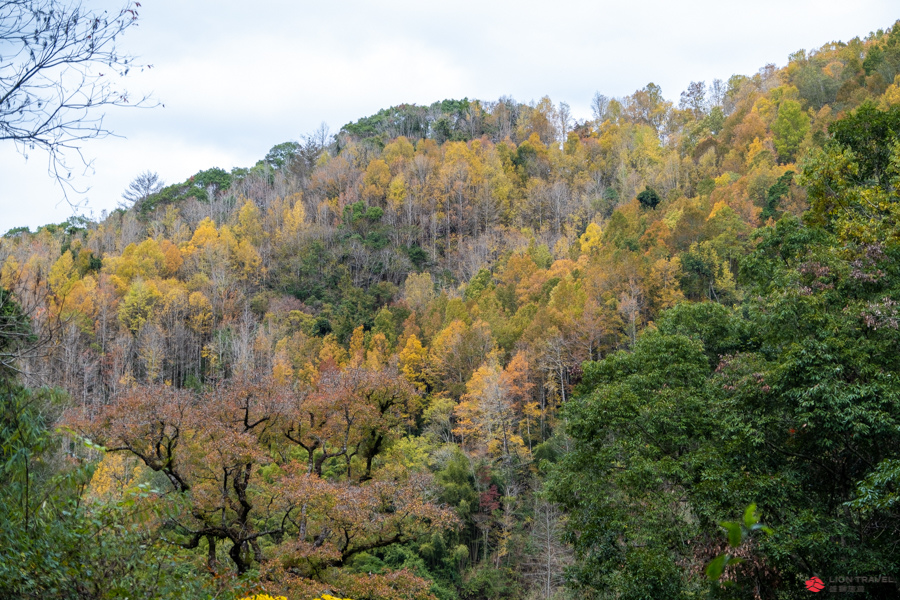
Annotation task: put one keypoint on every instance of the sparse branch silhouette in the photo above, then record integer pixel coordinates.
(59, 68)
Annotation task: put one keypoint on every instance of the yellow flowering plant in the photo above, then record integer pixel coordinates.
(268, 597)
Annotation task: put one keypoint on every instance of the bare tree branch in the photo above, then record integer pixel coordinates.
(58, 70)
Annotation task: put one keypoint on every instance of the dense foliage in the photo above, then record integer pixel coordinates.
(476, 350)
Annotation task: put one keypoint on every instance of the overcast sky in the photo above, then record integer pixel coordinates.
(237, 78)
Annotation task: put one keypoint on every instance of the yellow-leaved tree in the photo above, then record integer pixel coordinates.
(490, 412)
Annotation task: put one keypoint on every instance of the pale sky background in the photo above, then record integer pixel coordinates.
(239, 77)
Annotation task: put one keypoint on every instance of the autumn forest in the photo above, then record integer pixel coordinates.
(478, 350)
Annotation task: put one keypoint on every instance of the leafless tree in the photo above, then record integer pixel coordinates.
(599, 106)
(559, 203)
(717, 92)
(631, 303)
(505, 112)
(58, 69)
(141, 187)
(551, 555)
(694, 98)
(564, 114)
(555, 361)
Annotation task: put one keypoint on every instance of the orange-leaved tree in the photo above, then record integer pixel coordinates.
(233, 474)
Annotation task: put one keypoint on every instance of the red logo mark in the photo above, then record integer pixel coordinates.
(814, 584)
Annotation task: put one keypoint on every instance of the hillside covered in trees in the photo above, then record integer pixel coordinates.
(477, 350)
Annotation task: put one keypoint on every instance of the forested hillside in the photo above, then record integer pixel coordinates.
(477, 350)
